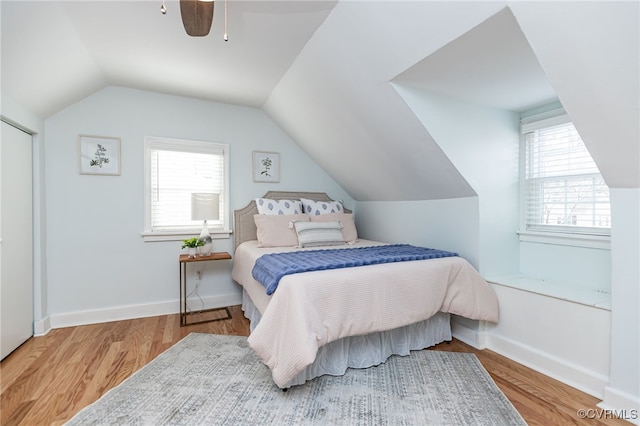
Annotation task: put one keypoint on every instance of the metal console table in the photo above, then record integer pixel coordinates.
(183, 260)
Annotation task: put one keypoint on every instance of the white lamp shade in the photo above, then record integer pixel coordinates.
(205, 206)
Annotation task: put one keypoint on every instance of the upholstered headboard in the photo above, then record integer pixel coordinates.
(244, 227)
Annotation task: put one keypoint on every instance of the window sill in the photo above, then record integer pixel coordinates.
(179, 236)
(600, 299)
(602, 242)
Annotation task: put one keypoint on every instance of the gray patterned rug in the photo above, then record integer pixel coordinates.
(208, 379)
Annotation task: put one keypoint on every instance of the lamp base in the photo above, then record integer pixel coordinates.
(205, 250)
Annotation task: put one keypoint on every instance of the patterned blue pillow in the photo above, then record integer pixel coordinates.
(315, 208)
(269, 206)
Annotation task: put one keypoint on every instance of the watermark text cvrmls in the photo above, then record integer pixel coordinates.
(602, 413)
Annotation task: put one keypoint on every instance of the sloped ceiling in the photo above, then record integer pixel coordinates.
(492, 64)
(366, 113)
(55, 53)
(323, 71)
(590, 52)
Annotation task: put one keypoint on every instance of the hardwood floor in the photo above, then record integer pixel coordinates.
(50, 378)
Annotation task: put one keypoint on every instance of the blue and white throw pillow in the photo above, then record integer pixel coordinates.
(315, 208)
(316, 234)
(269, 206)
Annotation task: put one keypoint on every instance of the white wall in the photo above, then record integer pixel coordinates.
(624, 387)
(99, 268)
(578, 267)
(482, 143)
(450, 224)
(567, 341)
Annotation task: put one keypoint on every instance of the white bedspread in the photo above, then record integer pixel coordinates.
(311, 309)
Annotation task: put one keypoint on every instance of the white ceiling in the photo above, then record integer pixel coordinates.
(322, 70)
(55, 53)
(490, 65)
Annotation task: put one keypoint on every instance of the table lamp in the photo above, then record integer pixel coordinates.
(205, 205)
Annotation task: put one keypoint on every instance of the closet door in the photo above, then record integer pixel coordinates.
(16, 236)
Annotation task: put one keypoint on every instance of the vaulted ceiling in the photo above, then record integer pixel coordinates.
(55, 53)
(324, 72)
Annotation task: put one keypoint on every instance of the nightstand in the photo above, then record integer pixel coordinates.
(183, 260)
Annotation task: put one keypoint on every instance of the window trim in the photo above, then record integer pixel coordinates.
(179, 236)
(599, 238)
(566, 239)
(155, 142)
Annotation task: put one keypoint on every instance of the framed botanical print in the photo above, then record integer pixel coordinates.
(99, 155)
(266, 166)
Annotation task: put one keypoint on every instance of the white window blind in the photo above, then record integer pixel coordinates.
(564, 189)
(176, 169)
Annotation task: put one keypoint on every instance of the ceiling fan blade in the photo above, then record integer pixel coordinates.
(197, 17)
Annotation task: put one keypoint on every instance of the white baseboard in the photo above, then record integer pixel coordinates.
(472, 337)
(119, 313)
(587, 381)
(42, 327)
(573, 375)
(621, 404)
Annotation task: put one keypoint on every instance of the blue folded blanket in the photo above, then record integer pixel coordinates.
(270, 268)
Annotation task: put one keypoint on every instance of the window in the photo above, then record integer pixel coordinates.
(563, 190)
(174, 169)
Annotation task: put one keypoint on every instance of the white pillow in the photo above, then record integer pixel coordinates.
(275, 230)
(314, 208)
(315, 234)
(269, 206)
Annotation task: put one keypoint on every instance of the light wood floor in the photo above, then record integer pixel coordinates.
(50, 378)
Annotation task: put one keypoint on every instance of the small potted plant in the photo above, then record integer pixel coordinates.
(192, 245)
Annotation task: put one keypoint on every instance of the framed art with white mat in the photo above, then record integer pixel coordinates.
(266, 166)
(98, 155)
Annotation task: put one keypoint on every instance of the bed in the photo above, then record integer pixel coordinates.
(323, 322)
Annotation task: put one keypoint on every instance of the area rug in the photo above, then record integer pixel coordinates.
(208, 379)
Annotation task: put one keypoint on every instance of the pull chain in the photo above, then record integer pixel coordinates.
(226, 38)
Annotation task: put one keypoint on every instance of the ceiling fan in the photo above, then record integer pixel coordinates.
(197, 16)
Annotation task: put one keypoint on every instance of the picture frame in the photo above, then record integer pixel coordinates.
(98, 155)
(266, 166)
